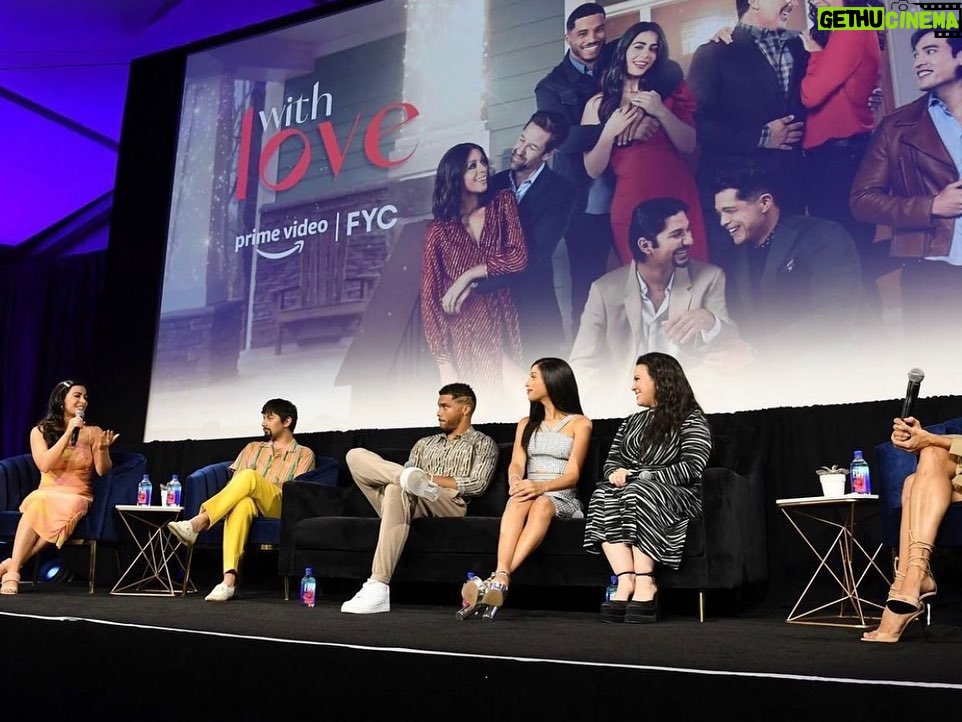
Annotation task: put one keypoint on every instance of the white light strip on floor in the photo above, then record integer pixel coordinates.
(475, 656)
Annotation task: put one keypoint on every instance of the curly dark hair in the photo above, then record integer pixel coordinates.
(673, 395)
(562, 387)
(449, 181)
(821, 36)
(663, 76)
(52, 424)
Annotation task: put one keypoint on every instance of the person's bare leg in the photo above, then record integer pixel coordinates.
(540, 516)
(930, 495)
(645, 586)
(512, 527)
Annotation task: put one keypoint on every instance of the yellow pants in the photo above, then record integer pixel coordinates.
(247, 494)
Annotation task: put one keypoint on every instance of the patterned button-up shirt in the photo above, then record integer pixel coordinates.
(469, 459)
(276, 468)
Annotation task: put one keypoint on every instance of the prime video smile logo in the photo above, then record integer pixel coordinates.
(942, 18)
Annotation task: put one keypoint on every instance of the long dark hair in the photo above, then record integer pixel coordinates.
(821, 36)
(449, 181)
(663, 76)
(562, 387)
(673, 395)
(52, 424)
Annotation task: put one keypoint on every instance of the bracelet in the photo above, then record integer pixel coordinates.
(512, 476)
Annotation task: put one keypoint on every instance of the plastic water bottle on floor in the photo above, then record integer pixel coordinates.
(173, 491)
(144, 489)
(612, 588)
(308, 588)
(859, 474)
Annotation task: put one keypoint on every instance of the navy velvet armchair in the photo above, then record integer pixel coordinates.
(264, 533)
(19, 476)
(893, 466)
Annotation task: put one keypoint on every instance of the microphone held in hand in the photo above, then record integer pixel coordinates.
(76, 430)
(912, 392)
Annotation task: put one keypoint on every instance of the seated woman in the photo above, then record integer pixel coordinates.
(550, 446)
(926, 496)
(640, 516)
(65, 450)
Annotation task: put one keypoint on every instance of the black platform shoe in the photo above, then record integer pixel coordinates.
(646, 612)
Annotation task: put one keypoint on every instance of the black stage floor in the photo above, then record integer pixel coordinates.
(260, 655)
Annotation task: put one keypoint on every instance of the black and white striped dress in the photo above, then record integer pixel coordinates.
(650, 515)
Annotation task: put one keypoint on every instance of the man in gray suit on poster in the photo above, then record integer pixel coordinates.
(661, 302)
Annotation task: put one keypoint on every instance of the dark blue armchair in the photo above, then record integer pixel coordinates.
(19, 476)
(893, 466)
(265, 534)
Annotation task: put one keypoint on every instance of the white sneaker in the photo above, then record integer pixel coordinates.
(414, 481)
(373, 598)
(220, 593)
(183, 531)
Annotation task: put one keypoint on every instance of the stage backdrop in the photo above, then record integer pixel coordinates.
(301, 191)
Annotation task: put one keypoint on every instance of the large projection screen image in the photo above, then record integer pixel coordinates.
(300, 250)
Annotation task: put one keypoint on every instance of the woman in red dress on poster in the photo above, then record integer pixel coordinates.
(474, 337)
(642, 80)
(843, 71)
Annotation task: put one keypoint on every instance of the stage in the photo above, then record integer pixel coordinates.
(259, 657)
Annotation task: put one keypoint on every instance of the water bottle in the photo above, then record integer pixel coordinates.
(308, 588)
(144, 489)
(612, 588)
(173, 491)
(858, 473)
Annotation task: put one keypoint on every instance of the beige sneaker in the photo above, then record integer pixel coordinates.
(183, 531)
(220, 593)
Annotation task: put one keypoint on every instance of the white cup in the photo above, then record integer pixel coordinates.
(832, 484)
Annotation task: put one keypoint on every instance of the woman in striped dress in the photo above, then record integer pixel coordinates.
(474, 337)
(639, 514)
(550, 446)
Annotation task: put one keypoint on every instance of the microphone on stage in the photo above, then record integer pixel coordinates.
(76, 431)
(912, 392)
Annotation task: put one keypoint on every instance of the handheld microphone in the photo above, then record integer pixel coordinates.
(76, 431)
(912, 391)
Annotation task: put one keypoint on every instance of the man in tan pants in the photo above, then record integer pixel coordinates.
(442, 473)
(259, 474)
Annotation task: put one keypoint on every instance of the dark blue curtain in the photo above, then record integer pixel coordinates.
(49, 313)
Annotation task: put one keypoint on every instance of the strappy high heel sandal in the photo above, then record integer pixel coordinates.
(494, 594)
(877, 635)
(646, 612)
(613, 610)
(903, 604)
(10, 583)
(471, 593)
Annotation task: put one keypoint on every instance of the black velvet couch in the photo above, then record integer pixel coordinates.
(334, 530)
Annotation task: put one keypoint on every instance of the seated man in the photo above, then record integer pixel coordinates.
(442, 473)
(794, 278)
(259, 473)
(926, 496)
(662, 302)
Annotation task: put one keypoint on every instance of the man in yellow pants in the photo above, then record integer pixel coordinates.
(259, 473)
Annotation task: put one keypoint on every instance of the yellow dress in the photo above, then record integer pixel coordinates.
(55, 507)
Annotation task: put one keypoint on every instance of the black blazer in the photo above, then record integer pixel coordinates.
(809, 286)
(545, 212)
(566, 91)
(737, 94)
